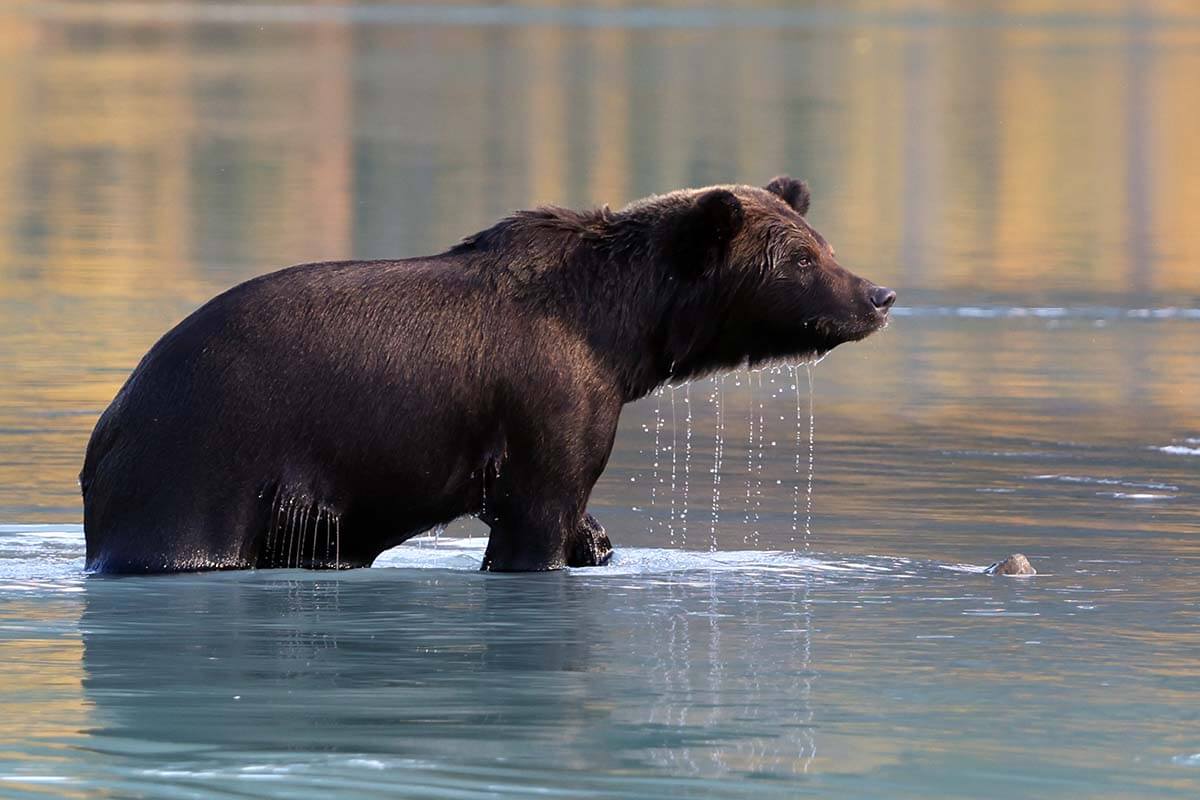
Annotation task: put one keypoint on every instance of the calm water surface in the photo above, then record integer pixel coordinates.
(1024, 175)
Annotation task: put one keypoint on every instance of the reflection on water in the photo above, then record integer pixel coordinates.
(670, 674)
(1022, 174)
(1031, 158)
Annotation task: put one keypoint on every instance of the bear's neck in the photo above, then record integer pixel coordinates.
(620, 301)
(598, 274)
(649, 326)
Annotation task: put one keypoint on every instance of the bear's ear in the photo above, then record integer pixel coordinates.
(792, 191)
(701, 232)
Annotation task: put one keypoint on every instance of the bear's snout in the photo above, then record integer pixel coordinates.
(882, 298)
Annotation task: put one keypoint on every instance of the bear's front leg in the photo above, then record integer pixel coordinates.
(526, 540)
(535, 503)
(590, 546)
(540, 542)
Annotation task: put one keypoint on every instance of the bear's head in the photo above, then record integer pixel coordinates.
(752, 281)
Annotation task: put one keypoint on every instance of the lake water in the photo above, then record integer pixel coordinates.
(1025, 175)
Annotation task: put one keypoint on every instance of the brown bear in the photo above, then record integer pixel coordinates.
(319, 415)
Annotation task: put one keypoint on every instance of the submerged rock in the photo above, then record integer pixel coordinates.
(1016, 564)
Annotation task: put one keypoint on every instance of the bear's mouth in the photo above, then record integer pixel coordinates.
(829, 333)
(876, 320)
(810, 359)
(822, 336)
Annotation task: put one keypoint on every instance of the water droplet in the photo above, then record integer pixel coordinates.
(671, 525)
(718, 451)
(808, 504)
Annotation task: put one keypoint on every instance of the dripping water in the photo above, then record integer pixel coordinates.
(718, 451)
(687, 462)
(270, 548)
(483, 498)
(808, 495)
(807, 605)
(657, 477)
(316, 528)
(291, 515)
(293, 520)
(812, 440)
(749, 460)
(758, 473)
(808, 748)
(300, 536)
(329, 536)
(674, 444)
(796, 489)
(298, 539)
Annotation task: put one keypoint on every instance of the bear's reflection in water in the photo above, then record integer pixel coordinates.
(561, 671)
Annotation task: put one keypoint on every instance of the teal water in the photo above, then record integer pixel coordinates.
(1023, 176)
(679, 674)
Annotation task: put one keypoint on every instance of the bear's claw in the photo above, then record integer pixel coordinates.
(591, 547)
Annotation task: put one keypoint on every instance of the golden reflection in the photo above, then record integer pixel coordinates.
(44, 710)
(546, 113)
(147, 164)
(611, 126)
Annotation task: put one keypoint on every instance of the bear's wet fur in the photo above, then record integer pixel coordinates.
(319, 415)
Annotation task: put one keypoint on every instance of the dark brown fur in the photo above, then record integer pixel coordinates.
(322, 414)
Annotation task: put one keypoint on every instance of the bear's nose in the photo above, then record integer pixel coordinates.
(882, 298)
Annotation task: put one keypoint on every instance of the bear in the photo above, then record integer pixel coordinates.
(319, 415)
